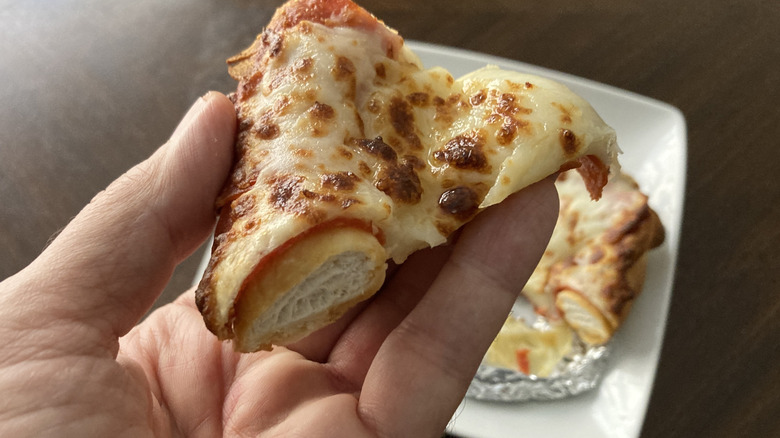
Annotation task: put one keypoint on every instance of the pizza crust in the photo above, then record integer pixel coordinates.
(308, 286)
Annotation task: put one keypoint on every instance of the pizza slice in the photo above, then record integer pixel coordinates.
(594, 266)
(350, 153)
(590, 275)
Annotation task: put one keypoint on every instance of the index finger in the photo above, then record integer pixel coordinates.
(422, 371)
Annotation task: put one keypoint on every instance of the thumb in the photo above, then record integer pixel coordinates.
(112, 261)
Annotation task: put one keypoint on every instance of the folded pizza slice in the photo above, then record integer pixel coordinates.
(350, 153)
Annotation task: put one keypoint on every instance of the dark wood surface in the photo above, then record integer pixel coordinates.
(88, 88)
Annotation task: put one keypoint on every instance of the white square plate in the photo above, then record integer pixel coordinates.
(652, 136)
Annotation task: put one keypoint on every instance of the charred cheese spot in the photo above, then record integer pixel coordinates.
(565, 113)
(266, 128)
(628, 224)
(379, 68)
(344, 152)
(273, 42)
(247, 88)
(282, 105)
(465, 152)
(569, 142)
(285, 193)
(321, 114)
(478, 98)
(323, 197)
(505, 110)
(250, 225)
(514, 86)
(402, 119)
(461, 202)
(241, 207)
(399, 182)
(245, 125)
(339, 181)
(344, 69)
(508, 130)
(396, 178)
(310, 95)
(493, 118)
(266, 131)
(446, 110)
(303, 153)
(289, 195)
(418, 99)
(305, 27)
(322, 111)
(378, 148)
(507, 105)
(302, 67)
(364, 168)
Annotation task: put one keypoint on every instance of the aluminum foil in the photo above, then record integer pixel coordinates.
(578, 372)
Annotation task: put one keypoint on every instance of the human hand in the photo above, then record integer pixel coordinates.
(74, 363)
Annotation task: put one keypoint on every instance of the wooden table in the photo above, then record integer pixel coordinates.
(88, 88)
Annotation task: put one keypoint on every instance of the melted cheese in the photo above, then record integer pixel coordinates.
(343, 122)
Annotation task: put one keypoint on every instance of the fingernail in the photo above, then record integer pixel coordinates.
(194, 110)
